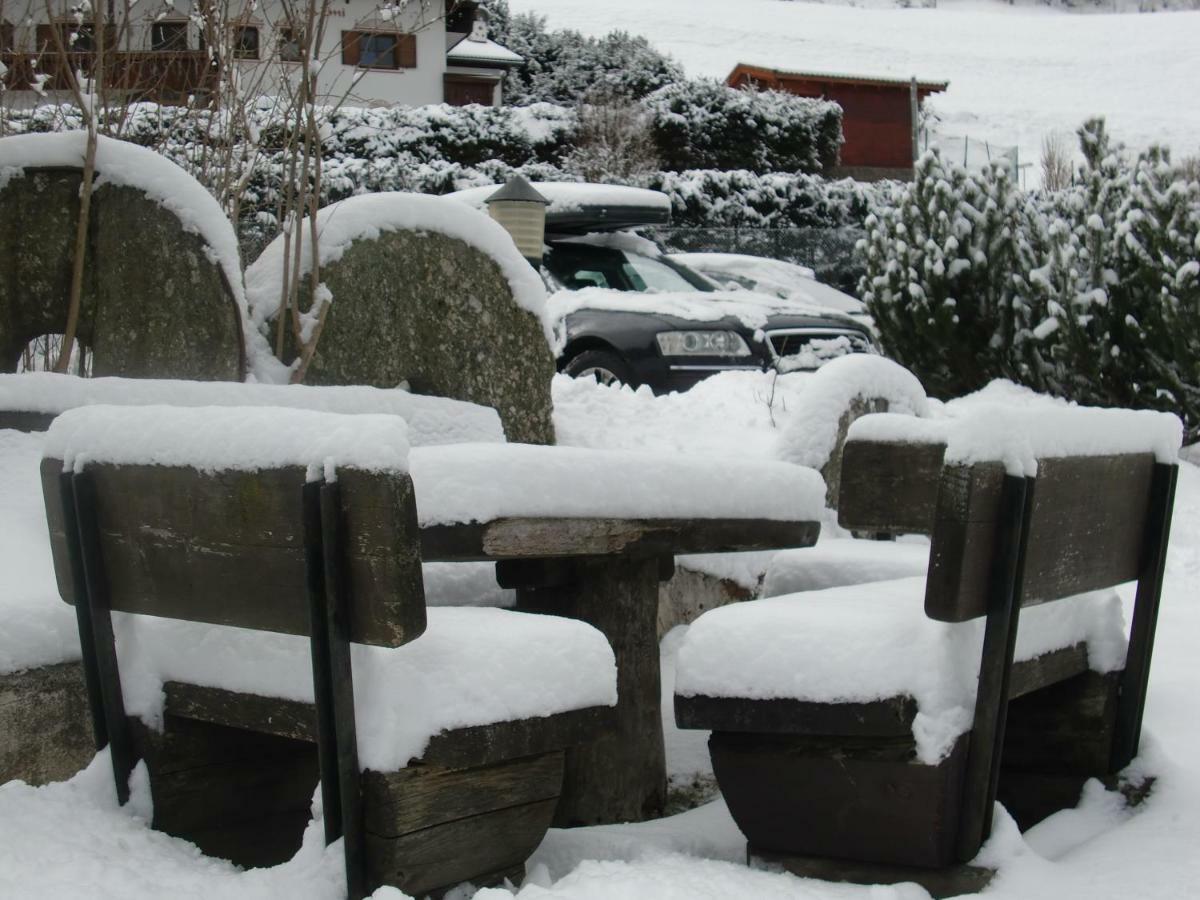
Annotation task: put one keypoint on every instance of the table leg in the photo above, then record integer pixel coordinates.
(622, 776)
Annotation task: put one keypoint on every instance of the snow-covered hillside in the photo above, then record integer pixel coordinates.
(1016, 73)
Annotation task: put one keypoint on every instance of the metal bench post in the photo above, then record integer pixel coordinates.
(333, 679)
(982, 777)
(105, 675)
(1134, 679)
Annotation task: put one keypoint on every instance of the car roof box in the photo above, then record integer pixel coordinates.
(577, 208)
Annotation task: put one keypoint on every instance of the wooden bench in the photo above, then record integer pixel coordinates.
(834, 786)
(336, 562)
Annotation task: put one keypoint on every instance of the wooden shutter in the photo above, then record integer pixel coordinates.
(45, 39)
(6, 36)
(350, 48)
(406, 51)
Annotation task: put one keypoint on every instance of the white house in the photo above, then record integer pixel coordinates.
(408, 52)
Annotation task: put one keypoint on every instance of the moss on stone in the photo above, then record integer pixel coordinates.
(154, 305)
(435, 312)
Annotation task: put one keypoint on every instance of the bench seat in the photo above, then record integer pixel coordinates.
(873, 662)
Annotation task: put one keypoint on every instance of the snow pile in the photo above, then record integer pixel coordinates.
(977, 431)
(838, 562)
(858, 644)
(813, 433)
(564, 196)
(470, 667)
(485, 482)
(729, 414)
(215, 438)
(366, 217)
(431, 420)
(36, 627)
(125, 164)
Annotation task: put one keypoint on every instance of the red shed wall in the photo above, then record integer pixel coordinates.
(876, 120)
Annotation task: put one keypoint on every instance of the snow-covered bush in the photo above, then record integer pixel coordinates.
(1090, 293)
(704, 124)
(562, 66)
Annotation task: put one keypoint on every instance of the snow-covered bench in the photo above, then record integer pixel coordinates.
(859, 732)
(257, 573)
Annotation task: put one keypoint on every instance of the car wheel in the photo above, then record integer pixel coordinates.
(605, 367)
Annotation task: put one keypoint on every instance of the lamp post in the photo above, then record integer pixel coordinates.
(521, 211)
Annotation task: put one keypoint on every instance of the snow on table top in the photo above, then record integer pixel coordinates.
(483, 482)
(1018, 436)
(228, 438)
(812, 435)
(366, 217)
(470, 667)
(570, 196)
(431, 420)
(869, 642)
(36, 627)
(165, 183)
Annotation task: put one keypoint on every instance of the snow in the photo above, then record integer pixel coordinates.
(431, 420)
(836, 562)
(811, 437)
(869, 642)
(978, 431)
(785, 280)
(565, 196)
(228, 438)
(36, 627)
(485, 482)
(751, 309)
(467, 51)
(470, 667)
(129, 165)
(367, 216)
(1016, 73)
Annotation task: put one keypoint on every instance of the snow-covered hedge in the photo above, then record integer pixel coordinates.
(1090, 293)
(702, 124)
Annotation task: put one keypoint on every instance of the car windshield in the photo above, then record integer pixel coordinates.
(578, 266)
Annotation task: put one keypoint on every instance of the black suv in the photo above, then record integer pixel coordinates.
(633, 316)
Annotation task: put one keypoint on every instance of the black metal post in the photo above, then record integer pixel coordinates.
(107, 671)
(982, 775)
(1131, 701)
(83, 611)
(342, 689)
(314, 574)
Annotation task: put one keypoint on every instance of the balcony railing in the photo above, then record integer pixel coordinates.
(165, 77)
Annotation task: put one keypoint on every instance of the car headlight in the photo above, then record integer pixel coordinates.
(701, 343)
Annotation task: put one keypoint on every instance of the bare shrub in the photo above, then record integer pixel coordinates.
(614, 140)
(1056, 161)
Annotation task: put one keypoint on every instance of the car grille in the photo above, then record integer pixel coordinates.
(789, 343)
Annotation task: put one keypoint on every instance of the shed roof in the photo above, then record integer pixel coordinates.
(482, 53)
(870, 80)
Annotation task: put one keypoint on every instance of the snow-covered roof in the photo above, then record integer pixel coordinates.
(482, 53)
(843, 77)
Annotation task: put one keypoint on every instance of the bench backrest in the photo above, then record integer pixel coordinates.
(228, 547)
(1086, 526)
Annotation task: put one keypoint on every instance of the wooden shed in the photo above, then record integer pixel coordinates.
(877, 114)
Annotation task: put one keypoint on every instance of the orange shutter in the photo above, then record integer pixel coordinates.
(406, 51)
(350, 48)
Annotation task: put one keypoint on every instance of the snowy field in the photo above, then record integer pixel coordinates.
(1016, 73)
(70, 840)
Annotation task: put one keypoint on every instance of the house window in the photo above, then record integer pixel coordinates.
(245, 42)
(167, 37)
(291, 44)
(379, 49)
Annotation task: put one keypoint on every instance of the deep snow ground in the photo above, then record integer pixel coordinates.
(69, 840)
(1016, 73)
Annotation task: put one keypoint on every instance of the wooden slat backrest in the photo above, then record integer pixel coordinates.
(227, 548)
(1086, 527)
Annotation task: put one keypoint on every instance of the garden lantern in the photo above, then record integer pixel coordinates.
(521, 210)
